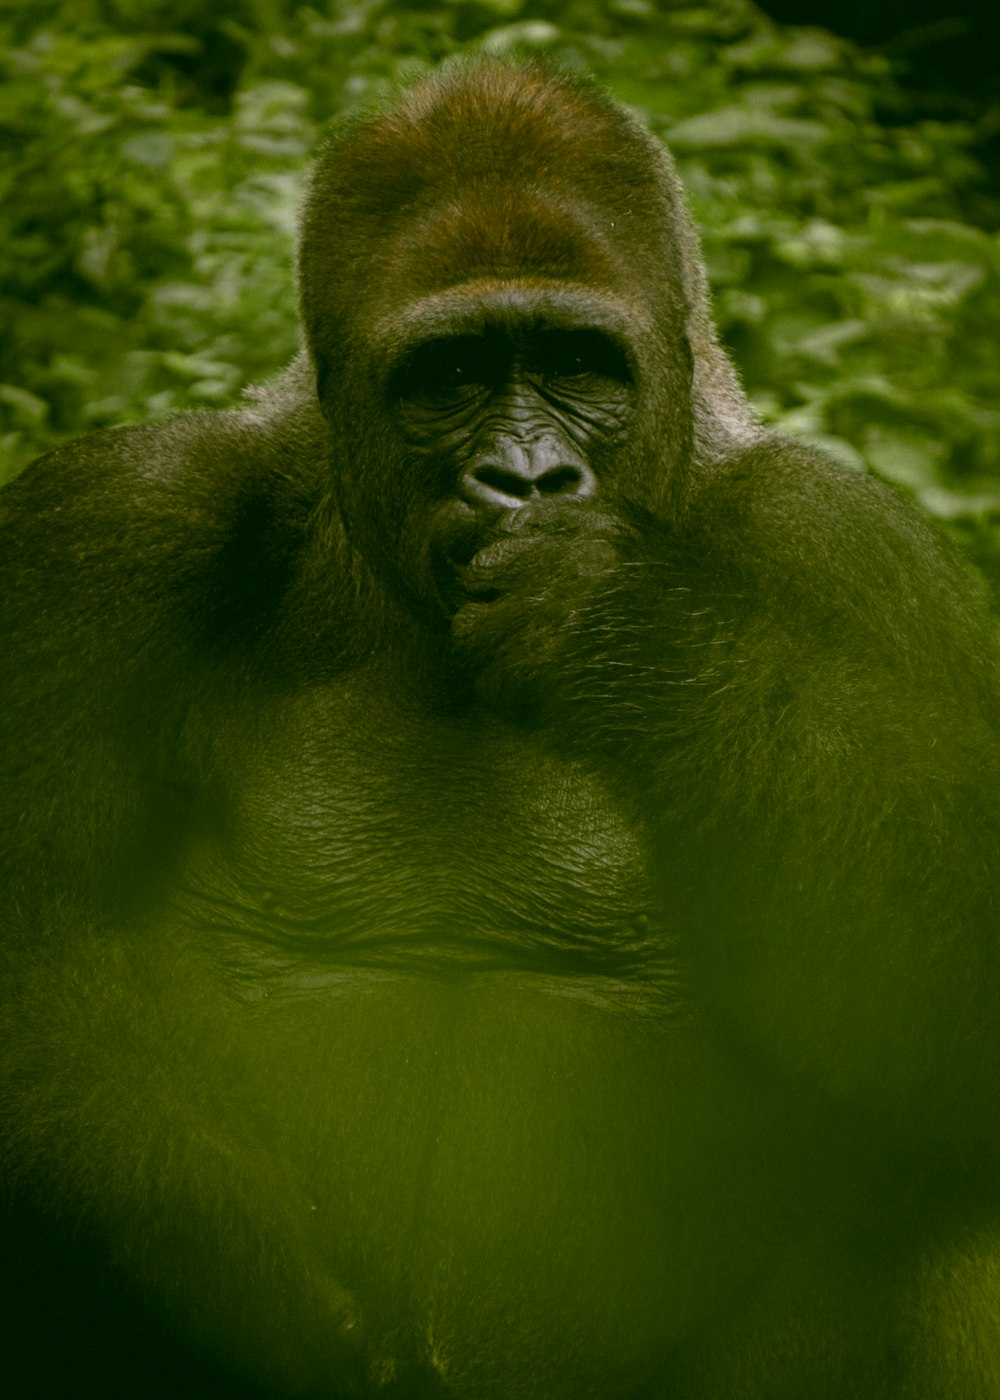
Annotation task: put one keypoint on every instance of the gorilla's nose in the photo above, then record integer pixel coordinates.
(514, 473)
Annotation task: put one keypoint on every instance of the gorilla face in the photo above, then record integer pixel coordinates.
(508, 403)
(490, 347)
(509, 410)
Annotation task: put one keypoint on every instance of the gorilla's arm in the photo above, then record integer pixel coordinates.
(797, 689)
(139, 566)
(103, 542)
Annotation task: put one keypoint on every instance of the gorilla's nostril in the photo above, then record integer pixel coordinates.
(501, 482)
(561, 481)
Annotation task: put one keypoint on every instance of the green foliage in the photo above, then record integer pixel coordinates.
(154, 153)
(144, 250)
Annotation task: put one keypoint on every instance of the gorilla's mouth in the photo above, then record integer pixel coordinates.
(461, 533)
(457, 535)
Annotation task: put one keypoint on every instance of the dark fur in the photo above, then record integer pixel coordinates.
(576, 979)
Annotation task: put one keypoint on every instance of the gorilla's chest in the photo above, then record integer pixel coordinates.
(400, 833)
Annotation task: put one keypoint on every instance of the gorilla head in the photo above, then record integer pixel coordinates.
(501, 289)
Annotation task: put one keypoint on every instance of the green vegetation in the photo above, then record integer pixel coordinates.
(155, 151)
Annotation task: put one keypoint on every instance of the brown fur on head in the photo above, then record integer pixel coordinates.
(491, 173)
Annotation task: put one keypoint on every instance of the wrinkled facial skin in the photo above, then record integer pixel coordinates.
(509, 422)
(503, 408)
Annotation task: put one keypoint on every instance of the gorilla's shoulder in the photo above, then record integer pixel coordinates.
(200, 463)
(204, 516)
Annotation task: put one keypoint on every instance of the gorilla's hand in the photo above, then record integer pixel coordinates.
(523, 598)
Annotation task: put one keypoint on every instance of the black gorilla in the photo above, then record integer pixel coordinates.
(501, 853)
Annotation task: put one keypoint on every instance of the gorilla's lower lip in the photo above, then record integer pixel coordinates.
(451, 591)
(457, 536)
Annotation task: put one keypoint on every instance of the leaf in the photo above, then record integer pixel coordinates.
(739, 126)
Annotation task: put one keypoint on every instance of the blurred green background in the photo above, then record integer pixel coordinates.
(154, 152)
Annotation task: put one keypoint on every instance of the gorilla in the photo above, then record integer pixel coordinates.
(501, 851)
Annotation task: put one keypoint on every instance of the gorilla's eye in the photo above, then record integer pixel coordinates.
(578, 354)
(442, 369)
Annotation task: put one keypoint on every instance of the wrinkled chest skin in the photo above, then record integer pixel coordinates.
(463, 1137)
(356, 833)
